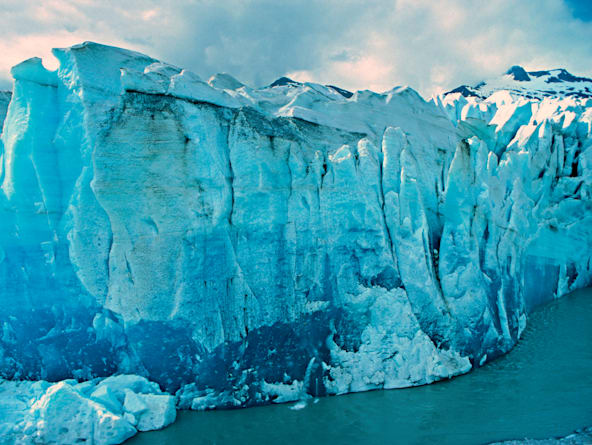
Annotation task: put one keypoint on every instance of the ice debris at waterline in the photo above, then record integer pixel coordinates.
(240, 246)
(580, 437)
(105, 411)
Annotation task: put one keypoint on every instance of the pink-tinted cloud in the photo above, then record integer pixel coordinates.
(376, 44)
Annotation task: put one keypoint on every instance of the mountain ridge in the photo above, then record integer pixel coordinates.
(557, 82)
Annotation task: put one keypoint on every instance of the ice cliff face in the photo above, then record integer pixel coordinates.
(4, 101)
(243, 245)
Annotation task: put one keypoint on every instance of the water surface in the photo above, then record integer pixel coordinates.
(542, 388)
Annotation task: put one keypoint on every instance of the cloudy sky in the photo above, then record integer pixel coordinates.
(431, 45)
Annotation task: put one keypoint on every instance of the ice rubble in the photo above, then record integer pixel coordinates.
(240, 246)
(106, 411)
(579, 437)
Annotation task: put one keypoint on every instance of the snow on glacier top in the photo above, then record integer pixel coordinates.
(106, 68)
(103, 70)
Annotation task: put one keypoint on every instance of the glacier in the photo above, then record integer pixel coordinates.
(236, 246)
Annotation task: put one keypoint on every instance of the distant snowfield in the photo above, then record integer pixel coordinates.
(238, 246)
(556, 83)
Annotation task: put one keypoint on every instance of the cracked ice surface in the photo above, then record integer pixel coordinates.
(240, 246)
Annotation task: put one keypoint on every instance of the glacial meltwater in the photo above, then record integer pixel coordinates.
(541, 389)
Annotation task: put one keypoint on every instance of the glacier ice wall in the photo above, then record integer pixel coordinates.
(243, 245)
(4, 101)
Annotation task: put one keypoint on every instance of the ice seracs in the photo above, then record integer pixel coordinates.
(239, 246)
(4, 101)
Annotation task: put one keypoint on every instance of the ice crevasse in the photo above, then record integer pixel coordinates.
(238, 246)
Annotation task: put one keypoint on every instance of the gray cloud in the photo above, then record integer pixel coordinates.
(374, 44)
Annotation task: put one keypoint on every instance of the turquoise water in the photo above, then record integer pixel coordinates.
(542, 388)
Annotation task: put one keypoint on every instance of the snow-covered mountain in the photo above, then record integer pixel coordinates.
(241, 246)
(531, 84)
